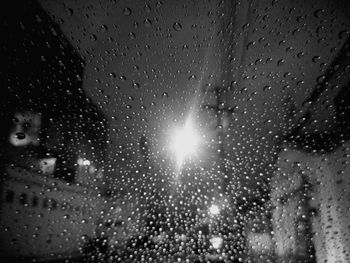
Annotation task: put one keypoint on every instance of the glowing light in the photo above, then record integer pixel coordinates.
(214, 210)
(216, 242)
(83, 162)
(86, 162)
(47, 165)
(185, 142)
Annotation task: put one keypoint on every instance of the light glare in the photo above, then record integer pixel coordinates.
(216, 242)
(214, 210)
(185, 142)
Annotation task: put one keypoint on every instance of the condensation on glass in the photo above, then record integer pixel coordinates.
(175, 131)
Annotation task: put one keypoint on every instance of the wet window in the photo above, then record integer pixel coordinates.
(35, 201)
(10, 195)
(45, 203)
(53, 203)
(175, 131)
(23, 199)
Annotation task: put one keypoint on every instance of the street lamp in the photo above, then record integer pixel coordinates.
(184, 142)
(214, 210)
(216, 242)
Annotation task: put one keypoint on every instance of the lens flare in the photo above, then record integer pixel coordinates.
(185, 142)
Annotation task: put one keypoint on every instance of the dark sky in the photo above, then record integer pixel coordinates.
(147, 61)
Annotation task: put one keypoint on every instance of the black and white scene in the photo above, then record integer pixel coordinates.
(175, 131)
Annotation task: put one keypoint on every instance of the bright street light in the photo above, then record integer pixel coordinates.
(214, 210)
(216, 242)
(185, 142)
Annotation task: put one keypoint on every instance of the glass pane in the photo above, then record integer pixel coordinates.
(175, 131)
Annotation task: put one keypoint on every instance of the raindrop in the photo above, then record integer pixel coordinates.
(300, 19)
(343, 34)
(318, 13)
(136, 85)
(287, 74)
(316, 58)
(165, 95)
(192, 77)
(93, 37)
(280, 62)
(177, 26)
(282, 42)
(266, 17)
(112, 75)
(250, 44)
(320, 79)
(70, 11)
(20, 135)
(127, 11)
(268, 60)
(258, 61)
(104, 28)
(300, 54)
(132, 35)
(159, 4)
(147, 8)
(147, 22)
(267, 87)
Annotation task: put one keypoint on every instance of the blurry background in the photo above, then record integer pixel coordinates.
(94, 93)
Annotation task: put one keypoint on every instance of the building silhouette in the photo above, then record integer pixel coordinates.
(53, 140)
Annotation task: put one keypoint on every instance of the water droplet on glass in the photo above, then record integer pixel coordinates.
(318, 13)
(93, 37)
(280, 62)
(112, 75)
(192, 77)
(70, 11)
(147, 8)
(321, 78)
(20, 135)
(268, 60)
(344, 34)
(159, 4)
(267, 87)
(127, 11)
(132, 35)
(136, 85)
(300, 54)
(250, 44)
(316, 58)
(104, 28)
(177, 26)
(147, 22)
